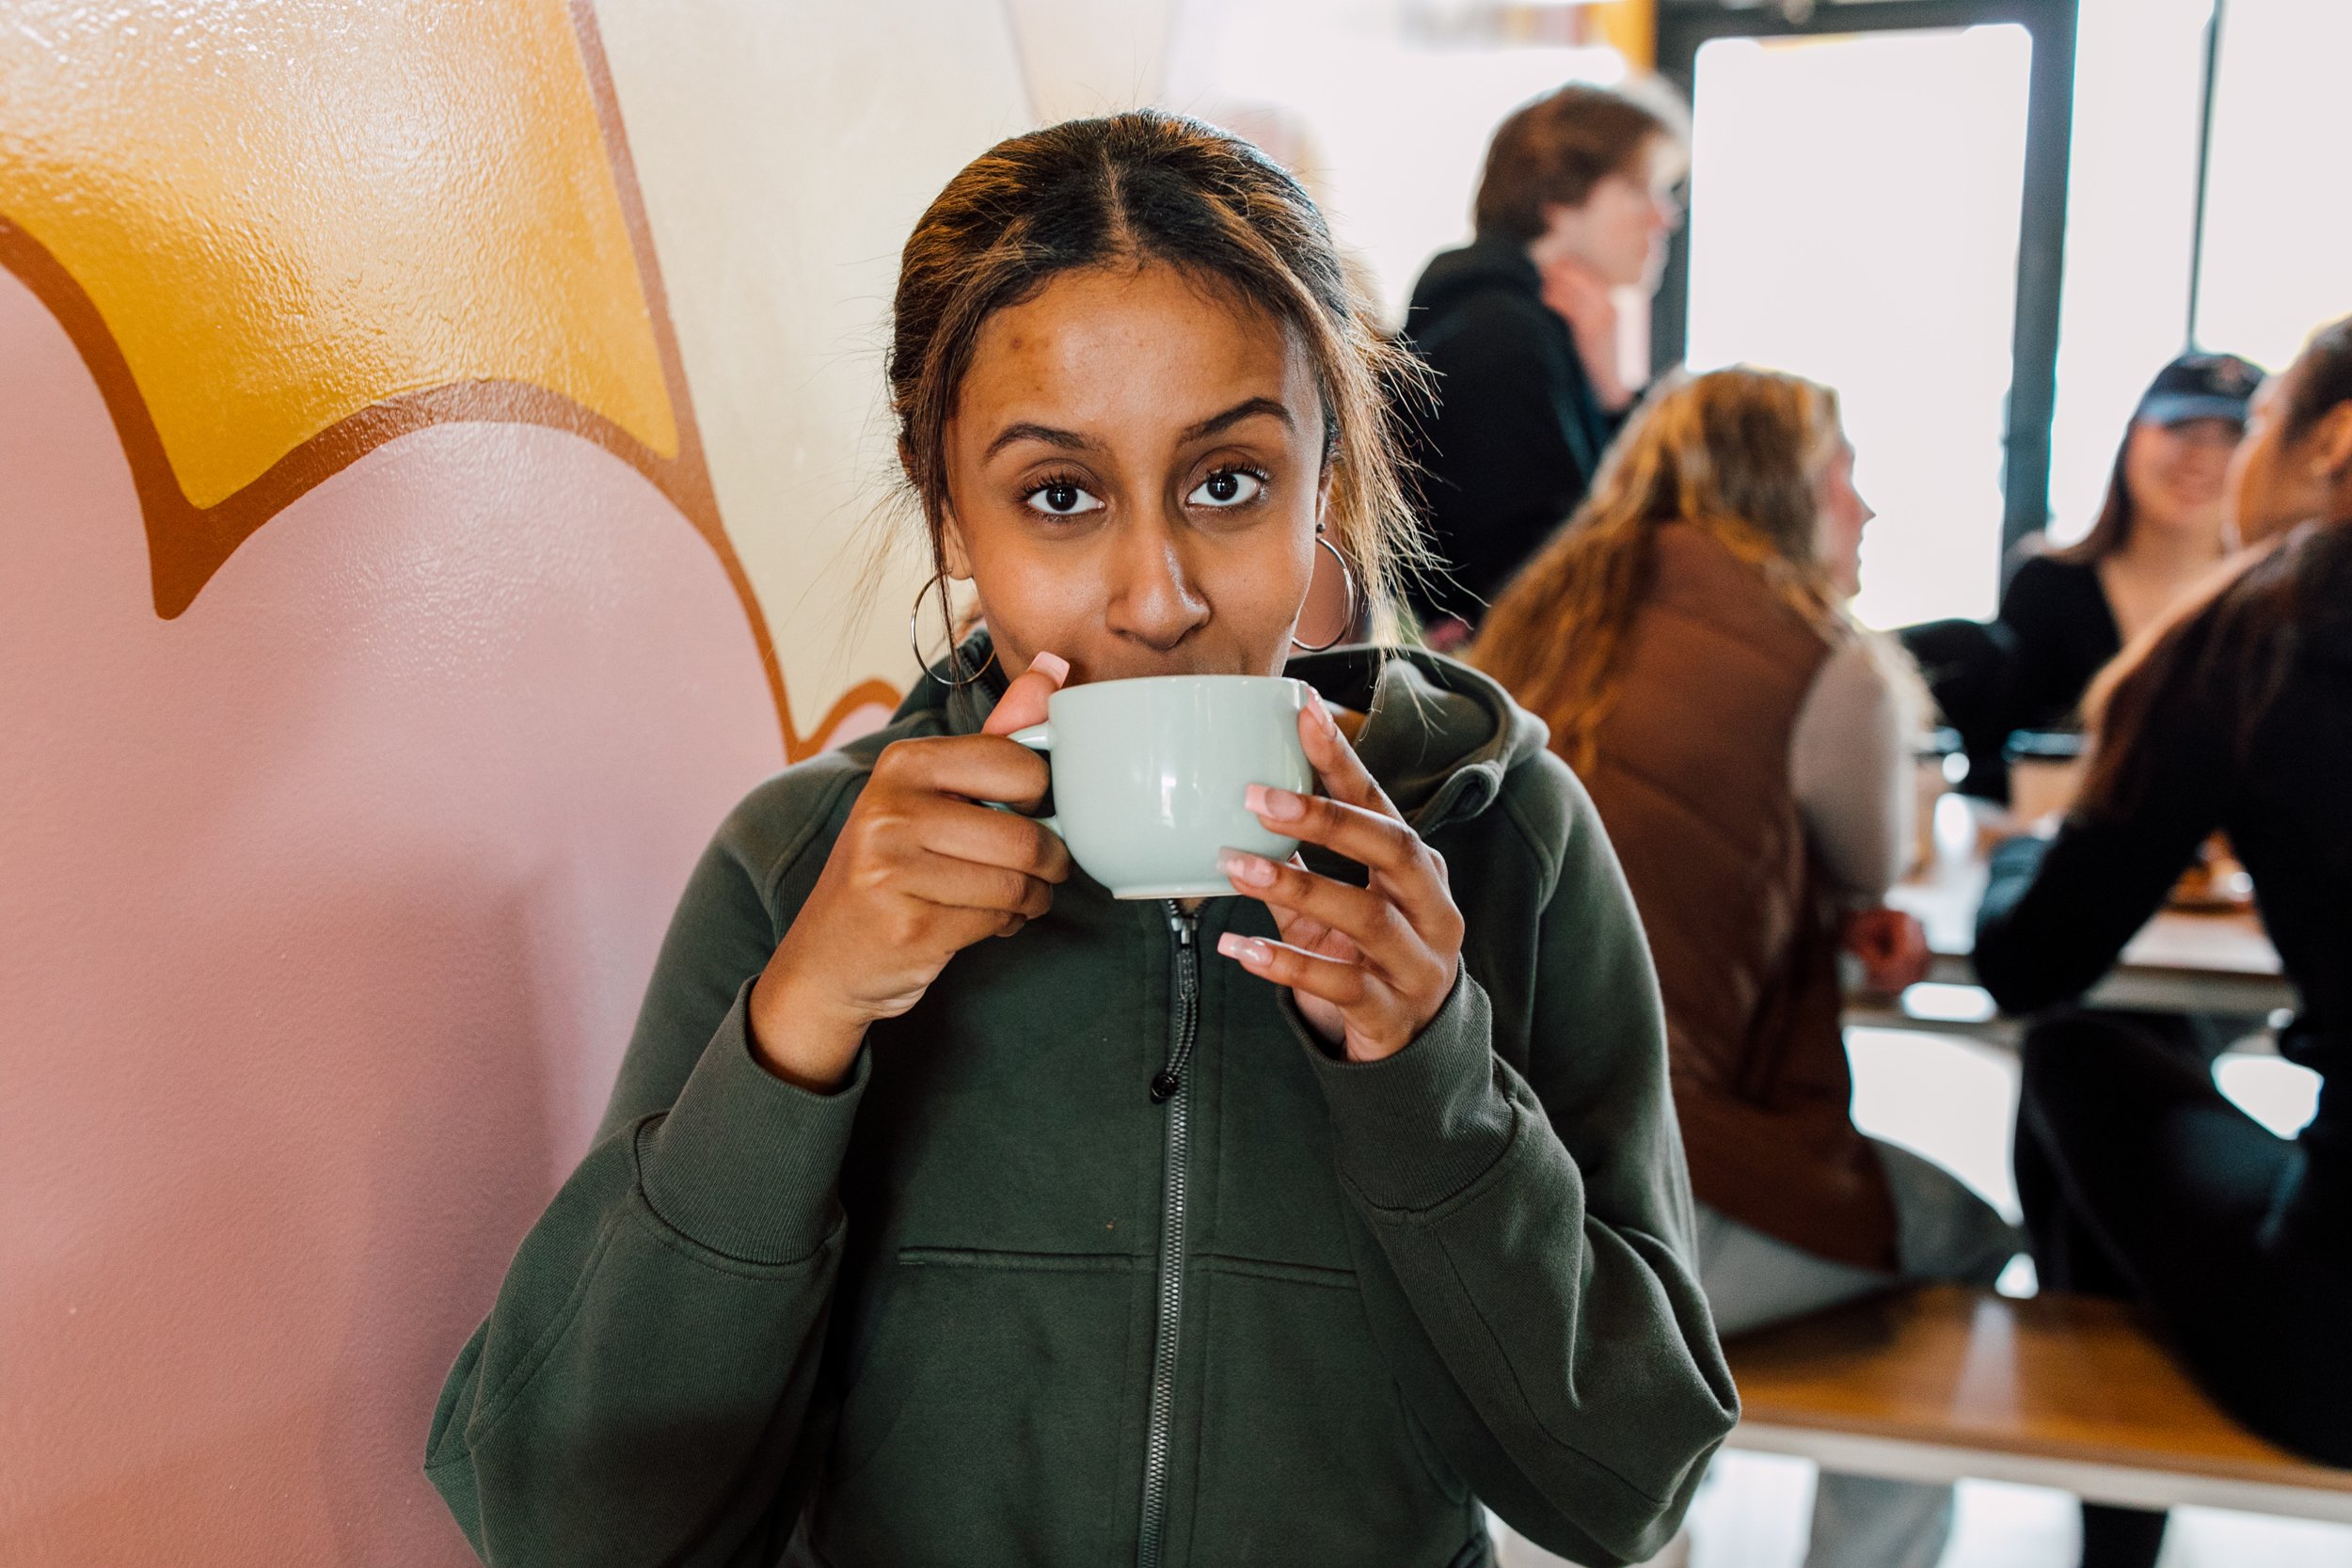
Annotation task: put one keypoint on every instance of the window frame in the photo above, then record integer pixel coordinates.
(1685, 27)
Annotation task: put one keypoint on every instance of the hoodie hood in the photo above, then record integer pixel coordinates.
(1453, 275)
(1438, 734)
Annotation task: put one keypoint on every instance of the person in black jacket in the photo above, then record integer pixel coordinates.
(2066, 612)
(1520, 330)
(2137, 1179)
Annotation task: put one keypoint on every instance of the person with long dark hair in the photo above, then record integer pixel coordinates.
(950, 1210)
(2139, 1179)
(2067, 612)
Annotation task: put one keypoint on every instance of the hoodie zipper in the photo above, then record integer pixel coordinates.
(1168, 1088)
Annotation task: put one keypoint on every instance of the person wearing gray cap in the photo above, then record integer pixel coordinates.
(2068, 612)
(2160, 530)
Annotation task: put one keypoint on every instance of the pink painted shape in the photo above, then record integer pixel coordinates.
(326, 912)
(859, 722)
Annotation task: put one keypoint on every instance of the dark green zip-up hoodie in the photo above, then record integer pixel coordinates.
(992, 1303)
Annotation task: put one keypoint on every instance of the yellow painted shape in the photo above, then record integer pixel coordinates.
(1632, 26)
(288, 211)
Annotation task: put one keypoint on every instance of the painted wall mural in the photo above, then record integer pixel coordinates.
(434, 482)
(442, 467)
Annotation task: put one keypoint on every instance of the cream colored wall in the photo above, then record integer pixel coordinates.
(1095, 57)
(785, 153)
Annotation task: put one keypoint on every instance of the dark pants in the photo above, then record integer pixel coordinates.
(2140, 1181)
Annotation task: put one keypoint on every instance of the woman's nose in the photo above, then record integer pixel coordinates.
(1155, 599)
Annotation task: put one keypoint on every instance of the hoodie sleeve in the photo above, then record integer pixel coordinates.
(1537, 1228)
(637, 1393)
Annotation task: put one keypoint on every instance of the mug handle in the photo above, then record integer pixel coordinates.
(1037, 737)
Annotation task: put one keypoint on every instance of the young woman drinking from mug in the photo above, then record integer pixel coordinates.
(948, 1211)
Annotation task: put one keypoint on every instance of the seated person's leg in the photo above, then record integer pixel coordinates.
(1944, 1231)
(1943, 1228)
(2141, 1176)
(2140, 1181)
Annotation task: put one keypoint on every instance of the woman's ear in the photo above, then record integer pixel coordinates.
(2332, 444)
(951, 548)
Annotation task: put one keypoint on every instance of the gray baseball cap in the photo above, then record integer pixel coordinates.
(2200, 386)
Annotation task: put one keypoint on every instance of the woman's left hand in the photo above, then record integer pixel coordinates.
(1369, 966)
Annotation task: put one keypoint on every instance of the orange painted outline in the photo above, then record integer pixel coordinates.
(187, 544)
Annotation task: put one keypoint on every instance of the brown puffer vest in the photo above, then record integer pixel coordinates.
(1692, 778)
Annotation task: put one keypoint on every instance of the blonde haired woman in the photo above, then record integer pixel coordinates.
(1686, 636)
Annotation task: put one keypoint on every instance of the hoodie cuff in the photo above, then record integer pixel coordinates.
(1418, 1128)
(746, 1163)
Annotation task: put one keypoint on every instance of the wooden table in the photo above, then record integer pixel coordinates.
(2180, 962)
(1946, 1383)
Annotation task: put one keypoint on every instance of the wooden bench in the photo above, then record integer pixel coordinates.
(1945, 1383)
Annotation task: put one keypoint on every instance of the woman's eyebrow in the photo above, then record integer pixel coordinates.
(1240, 411)
(1070, 440)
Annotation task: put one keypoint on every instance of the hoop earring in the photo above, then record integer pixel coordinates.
(1347, 573)
(954, 659)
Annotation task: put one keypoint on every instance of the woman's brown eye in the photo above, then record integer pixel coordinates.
(1061, 499)
(1227, 487)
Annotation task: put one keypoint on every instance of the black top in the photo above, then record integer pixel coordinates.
(2253, 734)
(1517, 432)
(2025, 670)
(2062, 630)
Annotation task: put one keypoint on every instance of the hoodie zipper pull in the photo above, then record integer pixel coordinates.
(1183, 926)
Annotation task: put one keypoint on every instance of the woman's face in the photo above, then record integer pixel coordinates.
(1135, 475)
(1843, 516)
(2175, 476)
(1620, 230)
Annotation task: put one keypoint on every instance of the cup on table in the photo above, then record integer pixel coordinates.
(1929, 782)
(2045, 769)
(1149, 776)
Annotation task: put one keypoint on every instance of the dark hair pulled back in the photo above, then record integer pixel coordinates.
(2237, 637)
(1139, 188)
(2322, 378)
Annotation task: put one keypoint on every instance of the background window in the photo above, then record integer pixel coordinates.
(2278, 226)
(1854, 209)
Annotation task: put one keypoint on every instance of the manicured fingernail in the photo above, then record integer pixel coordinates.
(1279, 805)
(1248, 950)
(1315, 705)
(1242, 867)
(1056, 667)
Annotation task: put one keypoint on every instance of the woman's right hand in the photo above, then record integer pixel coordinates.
(921, 871)
(1893, 947)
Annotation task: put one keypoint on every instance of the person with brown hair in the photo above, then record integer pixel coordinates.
(1519, 328)
(2139, 1179)
(948, 1210)
(1686, 638)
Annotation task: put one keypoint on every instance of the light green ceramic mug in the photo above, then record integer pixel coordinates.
(1149, 776)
